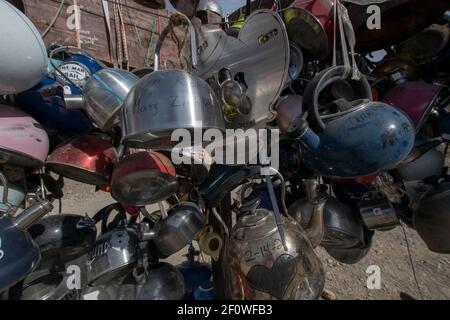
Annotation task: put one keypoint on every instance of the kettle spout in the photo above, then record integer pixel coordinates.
(299, 130)
(74, 101)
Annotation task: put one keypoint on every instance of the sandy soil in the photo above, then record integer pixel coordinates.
(389, 252)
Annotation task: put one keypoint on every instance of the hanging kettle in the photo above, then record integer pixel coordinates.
(431, 218)
(259, 267)
(88, 159)
(62, 238)
(103, 96)
(164, 282)
(143, 178)
(166, 100)
(23, 141)
(171, 234)
(23, 58)
(209, 5)
(310, 25)
(249, 72)
(326, 220)
(45, 102)
(360, 139)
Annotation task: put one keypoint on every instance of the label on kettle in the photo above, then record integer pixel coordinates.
(74, 71)
(98, 251)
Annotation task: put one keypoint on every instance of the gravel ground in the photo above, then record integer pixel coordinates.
(389, 253)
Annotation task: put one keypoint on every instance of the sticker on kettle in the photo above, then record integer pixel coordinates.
(75, 72)
(98, 251)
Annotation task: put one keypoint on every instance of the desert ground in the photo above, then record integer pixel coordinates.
(389, 253)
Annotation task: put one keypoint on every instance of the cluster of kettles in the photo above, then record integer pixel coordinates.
(362, 149)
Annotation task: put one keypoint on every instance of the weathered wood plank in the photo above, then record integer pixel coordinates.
(138, 21)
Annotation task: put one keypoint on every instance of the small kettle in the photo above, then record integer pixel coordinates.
(362, 138)
(258, 265)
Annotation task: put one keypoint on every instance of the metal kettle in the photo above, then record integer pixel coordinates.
(362, 138)
(19, 254)
(103, 96)
(166, 100)
(259, 267)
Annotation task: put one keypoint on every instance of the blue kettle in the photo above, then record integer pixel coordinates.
(45, 101)
(362, 138)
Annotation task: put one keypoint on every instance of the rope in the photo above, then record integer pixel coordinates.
(126, 57)
(147, 55)
(52, 22)
(175, 20)
(412, 262)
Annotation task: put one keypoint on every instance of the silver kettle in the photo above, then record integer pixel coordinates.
(178, 229)
(259, 267)
(103, 96)
(166, 100)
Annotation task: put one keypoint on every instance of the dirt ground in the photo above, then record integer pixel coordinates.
(389, 253)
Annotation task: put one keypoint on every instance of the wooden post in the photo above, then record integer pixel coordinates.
(77, 23)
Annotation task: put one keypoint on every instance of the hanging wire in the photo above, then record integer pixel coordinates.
(412, 262)
(52, 22)
(135, 28)
(147, 55)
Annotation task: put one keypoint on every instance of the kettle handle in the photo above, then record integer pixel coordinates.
(163, 36)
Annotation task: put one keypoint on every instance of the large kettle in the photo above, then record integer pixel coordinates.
(45, 102)
(249, 72)
(361, 139)
(103, 96)
(259, 267)
(431, 218)
(166, 100)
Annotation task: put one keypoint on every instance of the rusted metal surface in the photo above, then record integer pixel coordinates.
(138, 23)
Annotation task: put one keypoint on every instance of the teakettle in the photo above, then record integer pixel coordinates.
(361, 139)
(249, 72)
(166, 100)
(45, 102)
(103, 96)
(259, 267)
(62, 238)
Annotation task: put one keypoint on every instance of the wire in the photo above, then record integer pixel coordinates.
(412, 262)
(52, 22)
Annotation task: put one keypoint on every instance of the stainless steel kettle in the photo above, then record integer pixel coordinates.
(259, 267)
(184, 222)
(103, 96)
(166, 100)
(249, 72)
